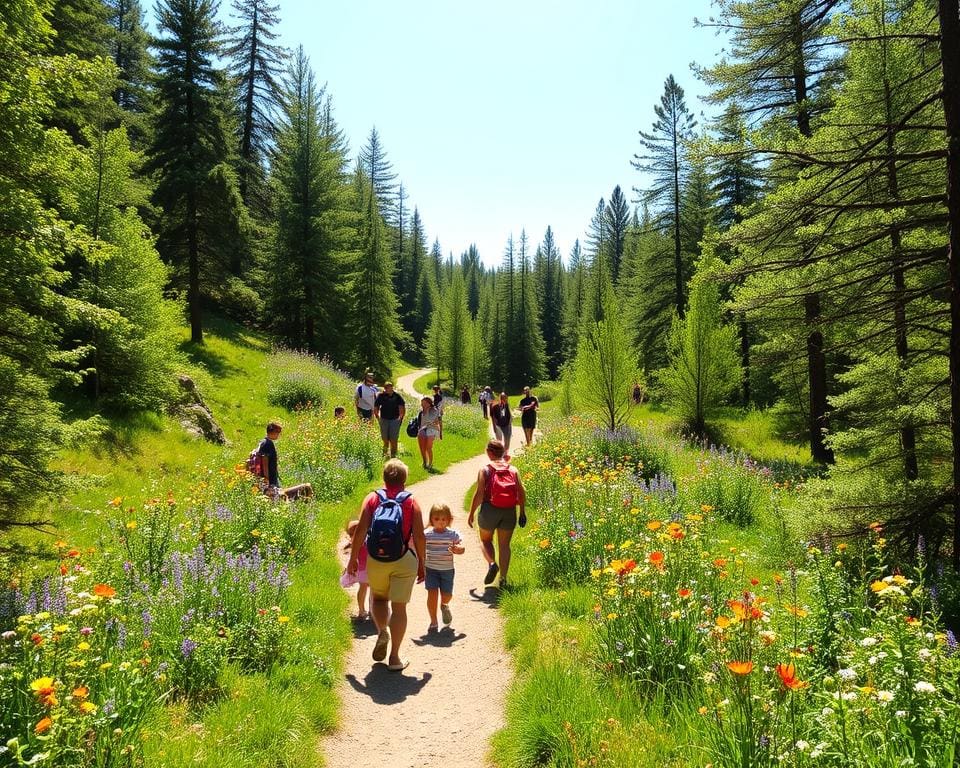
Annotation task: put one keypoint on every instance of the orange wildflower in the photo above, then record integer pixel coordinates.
(104, 590)
(723, 622)
(720, 562)
(43, 726)
(654, 525)
(656, 558)
(81, 692)
(684, 592)
(740, 667)
(788, 676)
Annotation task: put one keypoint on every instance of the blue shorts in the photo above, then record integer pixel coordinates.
(442, 580)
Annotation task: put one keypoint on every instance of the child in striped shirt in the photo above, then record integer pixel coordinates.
(443, 542)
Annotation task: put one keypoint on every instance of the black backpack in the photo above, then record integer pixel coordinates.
(413, 426)
(385, 539)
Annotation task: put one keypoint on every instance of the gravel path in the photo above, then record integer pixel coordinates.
(442, 710)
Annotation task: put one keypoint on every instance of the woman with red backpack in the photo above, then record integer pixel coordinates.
(499, 492)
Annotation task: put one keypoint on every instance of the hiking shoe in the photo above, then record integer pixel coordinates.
(380, 649)
(446, 613)
(492, 572)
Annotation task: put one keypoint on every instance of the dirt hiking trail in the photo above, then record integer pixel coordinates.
(441, 711)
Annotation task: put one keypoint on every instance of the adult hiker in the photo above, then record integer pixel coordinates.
(499, 492)
(366, 396)
(528, 414)
(486, 397)
(465, 395)
(269, 461)
(437, 397)
(391, 525)
(389, 410)
(502, 420)
(431, 428)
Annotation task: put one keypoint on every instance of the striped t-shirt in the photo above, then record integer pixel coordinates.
(439, 556)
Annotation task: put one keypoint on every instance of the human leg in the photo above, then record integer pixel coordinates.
(362, 600)
(428, 449)
(528, 435)
(422, 445)
(398, 628)
(507, 433)
(433, 596)
(503, 542)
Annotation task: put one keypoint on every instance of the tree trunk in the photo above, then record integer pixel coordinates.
(949, 11)
(745, 357)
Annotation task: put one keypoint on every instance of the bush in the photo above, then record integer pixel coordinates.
(301, 380)
(459, 419)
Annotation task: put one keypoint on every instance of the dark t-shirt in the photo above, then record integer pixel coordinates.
(500, 414)
(389, 405)
(269, 450)
(528, 400)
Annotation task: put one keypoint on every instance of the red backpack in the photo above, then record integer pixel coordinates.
(256, 464)
(502, 486)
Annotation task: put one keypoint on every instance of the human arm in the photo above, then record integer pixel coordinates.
(440, 424)
(457, 547)
(403, 410)
(359, 535)
(419, 542)
(477, 496)
(521, 500)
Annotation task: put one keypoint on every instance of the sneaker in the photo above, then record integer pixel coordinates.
(432, 628)
(380, 649)
(491, 573)
(446, 613)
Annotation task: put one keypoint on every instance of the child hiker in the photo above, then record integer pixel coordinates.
(443, 542)
(348, 580)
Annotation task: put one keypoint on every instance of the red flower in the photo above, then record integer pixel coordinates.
(104, 590)
(684, 592)
(656, 558)
(788, 676)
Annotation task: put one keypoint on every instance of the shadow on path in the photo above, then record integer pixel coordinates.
(490, 596)
(445, 638)
(386, 687)
(363, 629)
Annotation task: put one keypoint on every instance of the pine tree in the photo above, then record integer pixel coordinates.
(129, 51)
(195, 187)
(256, 63)
(616, 219)
(458, 330)
(375, 328)
(665, 159)
(379, 171)
(598, 274)
(575, 299)
(525, 339)
(548, 270)
(314, 221)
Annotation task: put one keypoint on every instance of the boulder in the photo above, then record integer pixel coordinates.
(194, 415)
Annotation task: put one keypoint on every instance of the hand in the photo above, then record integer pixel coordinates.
(522, 520)
(352, 566)
(421, 574)
(470, 519)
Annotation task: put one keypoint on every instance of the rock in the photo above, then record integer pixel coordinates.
(194, 415)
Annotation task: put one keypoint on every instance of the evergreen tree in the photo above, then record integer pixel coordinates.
(379, 171)
(548, 269)
(665, 159)
(575, 300)
(375, 328)
(598, 249)
(256, 63)
(458, 330)
(425, 304)
(616, 220)
(314, 221)
(195, 187)
(129, 51)
(411, 278)
(525, 340)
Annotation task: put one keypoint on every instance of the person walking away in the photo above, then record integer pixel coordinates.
(431, 428)
(365, 397)
(637, 393)
(528, 414)
(502, 420)
(485, 397)
(465, 395)
(270, 461)
(437, 397)
(389, 411)
(499, 491)
(443, 542)
(391, 525)
(346, 580)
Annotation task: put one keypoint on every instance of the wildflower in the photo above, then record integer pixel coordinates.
(797, 611)
(702, 710)
(922, 686)
(885, 696)
(116, 502)
(654, 525)
(878, 586)
(104, 590)
(43, 726)
(754, 581)
(131, 525)
(83, 646)
(283, 619)
(847, 674)
(723, 622)
(88, 707)
(36, 638)
(720, 562)
(740, 667)
(684, 592)
(788, 676)
(61, 628)
(544, 543)
(81, 692)
(867, 642)
(656, 559)
(802, 745)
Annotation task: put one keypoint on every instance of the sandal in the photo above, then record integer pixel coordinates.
(404, 663)
(380, 649)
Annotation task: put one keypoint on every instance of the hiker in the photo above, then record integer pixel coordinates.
(442, 543)
(499, 492)
(431, 428)
(390, 522)
(365, 397)
(465, 395)
(486, 397)
(389, 410)
(528, 414)
(437, 397)
(348, 580)
(339, 412)
(267, 451)
(502, 420)
(637, 393)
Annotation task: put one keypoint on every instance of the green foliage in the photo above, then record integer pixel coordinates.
(299, 380)
(704, 366)
(605, 368)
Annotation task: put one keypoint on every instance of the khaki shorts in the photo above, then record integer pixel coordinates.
(492, 518)
(393, 580)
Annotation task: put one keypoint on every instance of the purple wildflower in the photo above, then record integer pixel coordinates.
(187, 647)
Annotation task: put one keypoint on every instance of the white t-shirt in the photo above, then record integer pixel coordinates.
(366, 396)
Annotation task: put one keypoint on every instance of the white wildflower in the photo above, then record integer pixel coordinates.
(922, 686)
(847, 674)
(868, 642)
(802, 745)
(885, 696)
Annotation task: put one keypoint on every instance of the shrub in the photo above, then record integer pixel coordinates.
(463, 420)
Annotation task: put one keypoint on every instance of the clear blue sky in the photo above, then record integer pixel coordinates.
(500, 116)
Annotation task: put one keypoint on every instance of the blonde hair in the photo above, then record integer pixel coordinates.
(440, 510)
(394, 472)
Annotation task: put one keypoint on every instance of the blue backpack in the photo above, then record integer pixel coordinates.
(385, 539)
